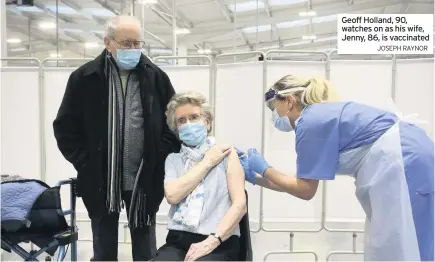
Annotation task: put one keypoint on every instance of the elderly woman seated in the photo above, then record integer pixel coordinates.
(204, 184)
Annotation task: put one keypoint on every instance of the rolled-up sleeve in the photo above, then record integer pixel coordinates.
(170, 169)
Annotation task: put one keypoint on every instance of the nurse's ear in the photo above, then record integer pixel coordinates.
(291, 101)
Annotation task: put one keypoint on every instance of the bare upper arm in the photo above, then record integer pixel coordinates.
(235, 179)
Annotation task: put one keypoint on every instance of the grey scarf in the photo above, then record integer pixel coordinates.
(115, 142)
(137, 212)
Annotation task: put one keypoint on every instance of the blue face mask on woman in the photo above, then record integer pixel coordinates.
(282, 123)
(127, 59)
(193, 134)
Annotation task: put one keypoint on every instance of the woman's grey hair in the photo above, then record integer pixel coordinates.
(114, 22)
(188, 98)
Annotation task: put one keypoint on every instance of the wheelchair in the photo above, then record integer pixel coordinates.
(44, 225)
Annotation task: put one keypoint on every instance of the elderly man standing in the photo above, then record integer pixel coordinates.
(111, 126)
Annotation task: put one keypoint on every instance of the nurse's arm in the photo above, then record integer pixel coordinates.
(301, 188)
(263, 182)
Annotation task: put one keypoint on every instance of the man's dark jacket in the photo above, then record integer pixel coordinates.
(81, 131)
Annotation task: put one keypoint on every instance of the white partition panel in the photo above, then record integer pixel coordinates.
(415, 91)
(189, 78)
(281, 154)
(186, 78)
(239, 94)
(57, 167)
(20, 134)
(366, 82)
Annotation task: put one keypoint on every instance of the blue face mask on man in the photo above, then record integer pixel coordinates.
(193, 134)
(127, 59)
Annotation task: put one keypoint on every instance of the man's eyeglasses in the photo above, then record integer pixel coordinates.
(131, 44)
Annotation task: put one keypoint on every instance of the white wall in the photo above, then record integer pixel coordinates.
(412, 93)
(239, 100)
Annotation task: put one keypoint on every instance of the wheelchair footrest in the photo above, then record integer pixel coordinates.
(67, 238)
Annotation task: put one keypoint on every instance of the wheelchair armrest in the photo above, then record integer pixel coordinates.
(73, 194)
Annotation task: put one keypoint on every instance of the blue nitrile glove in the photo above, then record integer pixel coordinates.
(250, 175)
(257, 162)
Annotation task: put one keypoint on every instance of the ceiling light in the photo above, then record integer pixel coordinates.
(47, 25)
(309, 13)
(297, 43)
(55, 55)
(270, 47)
(18, 49)
(182, 31)
(309, 37)
(91, 45)
(204, 51)
(254, 29)
(13, 40)
(161, 51)
(144, 2)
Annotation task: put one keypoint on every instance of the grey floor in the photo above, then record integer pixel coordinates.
(263, 242)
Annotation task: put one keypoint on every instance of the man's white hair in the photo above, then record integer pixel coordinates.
(114, 22)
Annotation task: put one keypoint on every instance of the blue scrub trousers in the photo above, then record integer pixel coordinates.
(423, 213)
(418, 159)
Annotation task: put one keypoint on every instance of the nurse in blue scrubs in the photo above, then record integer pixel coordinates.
(392, 162)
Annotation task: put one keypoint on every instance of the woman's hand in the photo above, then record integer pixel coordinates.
(216, 154)
(250, 175)
(202, 248)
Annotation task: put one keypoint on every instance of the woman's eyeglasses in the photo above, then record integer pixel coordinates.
(193, 118)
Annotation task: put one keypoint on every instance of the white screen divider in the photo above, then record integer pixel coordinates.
(238, 94)
(22, 145)
(281, 154)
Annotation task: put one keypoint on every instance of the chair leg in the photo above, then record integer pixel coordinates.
(74, 251)
(62, 254)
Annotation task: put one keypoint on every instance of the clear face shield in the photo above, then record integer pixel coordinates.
(272, 94)
(282, 123)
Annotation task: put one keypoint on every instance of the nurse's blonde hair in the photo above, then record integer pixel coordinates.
(316, 90)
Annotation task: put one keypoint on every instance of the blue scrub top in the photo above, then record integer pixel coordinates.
(323, 131)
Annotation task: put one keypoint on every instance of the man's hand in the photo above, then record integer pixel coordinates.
(202, 248)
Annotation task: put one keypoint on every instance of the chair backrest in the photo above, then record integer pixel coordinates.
(245, 237)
